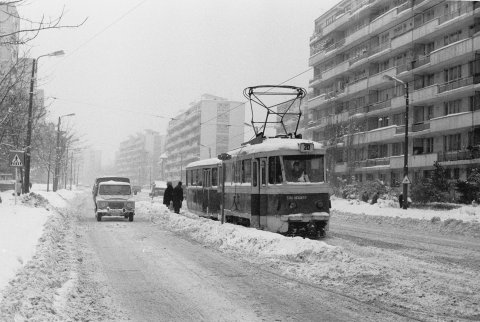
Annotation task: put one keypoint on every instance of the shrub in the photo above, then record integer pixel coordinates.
(469, 189)
(433, 189)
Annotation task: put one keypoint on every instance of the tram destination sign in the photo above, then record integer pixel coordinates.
(305, 147)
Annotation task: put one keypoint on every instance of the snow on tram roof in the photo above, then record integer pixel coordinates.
(275, 144)
(268, 145)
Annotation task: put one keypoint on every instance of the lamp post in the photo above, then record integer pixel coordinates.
(28, 139)
(57, 157)
(209, 150)
(405, 152)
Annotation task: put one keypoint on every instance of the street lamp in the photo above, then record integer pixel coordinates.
(28, 139)
(57, 158)
(405, 152)
(209, 150)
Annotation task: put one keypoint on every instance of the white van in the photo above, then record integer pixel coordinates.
(114, 198)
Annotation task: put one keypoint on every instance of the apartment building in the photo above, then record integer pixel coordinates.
(210, 126)
(138, 157)
(431, 48)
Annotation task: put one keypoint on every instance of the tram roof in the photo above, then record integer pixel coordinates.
(268, 145)
(276, 144)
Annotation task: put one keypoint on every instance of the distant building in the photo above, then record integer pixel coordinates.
(138, 157)
(212, 125)
(91, 166)
(359, 111)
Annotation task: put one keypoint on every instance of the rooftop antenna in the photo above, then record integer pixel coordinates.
(282, 100)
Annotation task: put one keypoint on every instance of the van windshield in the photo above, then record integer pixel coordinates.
(108, 189)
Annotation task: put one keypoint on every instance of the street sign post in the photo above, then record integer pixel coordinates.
(16, 159)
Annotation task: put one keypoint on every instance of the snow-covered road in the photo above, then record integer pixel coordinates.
(369, 268)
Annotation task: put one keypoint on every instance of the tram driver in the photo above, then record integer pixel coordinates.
(297, 173)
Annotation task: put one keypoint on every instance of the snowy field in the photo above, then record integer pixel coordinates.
(381, 276)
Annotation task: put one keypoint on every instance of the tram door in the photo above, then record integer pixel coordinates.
(262, 191)
(206, 190)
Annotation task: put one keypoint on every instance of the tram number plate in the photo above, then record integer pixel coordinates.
(306, 147)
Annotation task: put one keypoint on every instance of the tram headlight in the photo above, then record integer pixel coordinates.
(319, 204)
(292, 205)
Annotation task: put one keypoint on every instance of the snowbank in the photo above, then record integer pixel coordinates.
(21, 226)
(389, 208)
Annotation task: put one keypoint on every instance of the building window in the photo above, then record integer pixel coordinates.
(451, 38)
(452, 142)
(452, 74)
(369, 177)
(395, 179)
(397, 148)
(452, 107)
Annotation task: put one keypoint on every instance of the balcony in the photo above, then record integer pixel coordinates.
(336, 70)
(376, 135)
(472, 154)
(423, 94)
(414, 161)
(357, 35)
(379, 48)
(457, 13)
(420, 127)
(457, 49)
(379, 105)
(452, 85)
(358, 57)
(339, 21)
(420, 61)
(455, 121)
(316, 58)
(357, 86)
(316, 101)
(377, 79)
(402, 40)
(424, 30)
(315, 80)
(334, 46)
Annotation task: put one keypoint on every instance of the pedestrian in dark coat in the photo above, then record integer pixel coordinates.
(167, 194)
(177, 197)
(400, 200)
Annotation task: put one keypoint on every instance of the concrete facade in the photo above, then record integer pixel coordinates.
(210, 126)
(138, 158)
(434, 47)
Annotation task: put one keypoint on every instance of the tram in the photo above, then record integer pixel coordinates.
(276, 185)
(272, 183)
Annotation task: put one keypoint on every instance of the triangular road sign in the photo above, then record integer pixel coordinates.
(406, 180)
(16, 162)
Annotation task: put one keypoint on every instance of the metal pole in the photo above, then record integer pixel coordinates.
(223, 192)
(65, 177)
(405, 152)
(57, 158)
(71, 171)
(16, 184)
(28, 139)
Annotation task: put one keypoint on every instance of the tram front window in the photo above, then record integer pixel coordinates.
(304, 168)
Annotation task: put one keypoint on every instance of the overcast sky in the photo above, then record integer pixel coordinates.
(136, 63)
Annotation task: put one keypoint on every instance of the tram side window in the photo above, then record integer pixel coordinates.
(199, 177)
(254, 175)
(246, 171)
(228, 172)
(214, 177)
(274, 170)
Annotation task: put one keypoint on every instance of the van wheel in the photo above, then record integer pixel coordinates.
(99, 217)
(130, 217)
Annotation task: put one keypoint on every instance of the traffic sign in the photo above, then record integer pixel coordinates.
(406, 180)
(17, 158)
